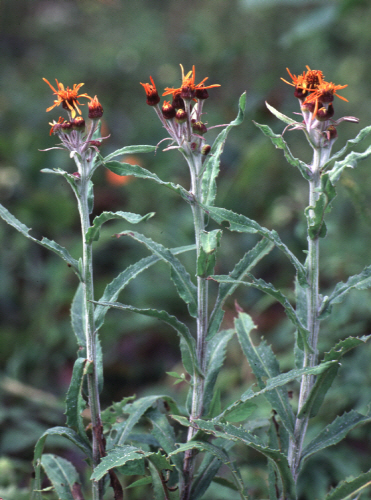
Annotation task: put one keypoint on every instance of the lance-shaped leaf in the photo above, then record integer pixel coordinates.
(360, 136)
(220, 454)
(210, 242)
(242, 224)
(281, 116)
(75, 403)
(45, 242)
(280, 143)
(127, 169)
(350, 161)
(269, 289)
(186, 289)
(334, 432)
(350, 487)
(212, 162)
(77, 319)
(130, 150)
(70, 178)
(248, 261)
(156, 464)
(93, 232)
(114, 288)
(326, 378)
(315, 215)
(215, 355)
(360, 281)
(63, 476)
(187, 344)
(239, 434)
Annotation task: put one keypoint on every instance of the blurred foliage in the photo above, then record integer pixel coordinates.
(112, 45)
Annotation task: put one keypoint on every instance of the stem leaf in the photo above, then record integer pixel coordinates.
(362, 134)
(350, 161)
(62, 475)
(347, 488)
(281, 116)
(212, 163)
(75, 403)
(77, 319)
(210, 242)
(242, 224)
(93, 232)
(130, 150)
(315, 215)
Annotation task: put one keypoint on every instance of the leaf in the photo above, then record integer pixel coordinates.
(62, 475)
(210, 242)
(280, 143)
(157, 482)
(93, 232)
(350, 161)
(315, 215)
(240, 412)
(212, 163)
(360, 281)
(130, 150)
(347, 488)
(281, 116)
(75, 403)
(242, 224)
(65, 432)
(90, 197)
(215, 355)
(77, 318)
(114, 288)
(188, 345)
(360, 136)
(324, 380)
(186, 289)
(118, 456)
(127, 169)
(220, 455)
(269, 289)
(334, 432)
(140, 482)
(45, 242)
(248, 261)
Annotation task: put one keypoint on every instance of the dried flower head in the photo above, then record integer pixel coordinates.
(152, 95)
(188, 87)
(95, 109)
(67, 97)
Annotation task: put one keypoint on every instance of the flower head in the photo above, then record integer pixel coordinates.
(67, 97)
(152, 95)
(324, 93)
(95, 109)
(309, 80)
(188, 87)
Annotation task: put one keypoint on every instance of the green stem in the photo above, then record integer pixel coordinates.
(90, 334)
(310, 357)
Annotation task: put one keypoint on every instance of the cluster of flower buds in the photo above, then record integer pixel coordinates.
(181, 117)
(75, 136)
(316, 98)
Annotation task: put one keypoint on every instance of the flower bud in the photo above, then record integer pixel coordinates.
(178, 102)
(152, 95)
(168, 110)
(95, 109)
(95, 143)
(300, 93)
(78, 123)
(201, 93)
(309, 106)
(187, 92)
(66, 127)
(324, 114)
(181, 116)
(331, 133)
(198, 127)
(205, 150)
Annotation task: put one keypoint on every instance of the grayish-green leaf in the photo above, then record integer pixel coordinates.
(62, 475)
(118, 456)
(242, 224)
(315, 215)
(94, 231)
(210, 242)
(77, 317)
(360, 136)
(350, 161)
(281, 116)
(75, 403)
(130, 150)
(350, 487)
(90, 197)
(212, 162)
(248, 261)
(45, 242)
(157, 482)
(114, 288)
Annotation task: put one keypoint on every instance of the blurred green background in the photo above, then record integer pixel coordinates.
(111, 46)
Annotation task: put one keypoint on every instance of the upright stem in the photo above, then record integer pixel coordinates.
(92, 375)
(310, 357)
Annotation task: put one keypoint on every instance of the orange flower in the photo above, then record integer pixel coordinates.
(152, 95)
(67, 97)
(188, 88)
(95, 109)
(324, 93)
(306, 82)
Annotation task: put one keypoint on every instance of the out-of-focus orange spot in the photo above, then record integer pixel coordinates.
(121, 180)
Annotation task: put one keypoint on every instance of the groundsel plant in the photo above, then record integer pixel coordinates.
(189, 441)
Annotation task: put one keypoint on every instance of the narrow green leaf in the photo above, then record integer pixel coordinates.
(335, 432)
(242, 224)
(224, 482)
(360, 281)
(77, 318)
(187, 344)
(130, 150)
(280, 143)
(118, 456)
(114, 288)
(75, 403)
(210, 242)
(350, 487)
(127, 169)
(360, 136)
(186, 289)
(281, 116)
(157, 482)
(45, 242)
(93, 232)
(212, 162)
(350, 161)
(62, 475)
(240, 412)
(325, 379)
(90, 197)
(315, 215)
(215, 355)
(140, 482)
(248, 261)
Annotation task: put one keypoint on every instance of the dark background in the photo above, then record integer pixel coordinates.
(111, 46)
